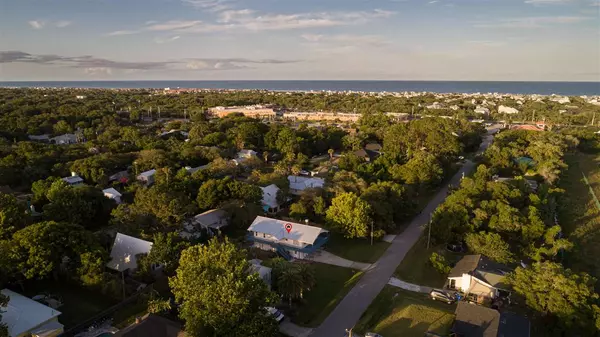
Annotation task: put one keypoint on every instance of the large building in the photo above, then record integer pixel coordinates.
(25, 317)
(288, 239)
(254, 111)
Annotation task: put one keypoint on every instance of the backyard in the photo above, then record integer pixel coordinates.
(579, 214)
(359, 250)
(332, 284)
(400, 313)
(416, 268)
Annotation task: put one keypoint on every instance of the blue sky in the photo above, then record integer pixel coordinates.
(555, 40)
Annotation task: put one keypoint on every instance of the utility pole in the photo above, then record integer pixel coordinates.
(429, 230)
(533, 117)
(593, 118)
(371, 233)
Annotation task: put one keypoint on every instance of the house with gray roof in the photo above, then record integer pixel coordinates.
(477, 321)
(212, 221)
(478, 276)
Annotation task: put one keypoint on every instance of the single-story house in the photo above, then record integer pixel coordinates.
(147, 177)
(300, 183)
(67, 138)
(39, 138)
(212, 221)
(192, 170)
(244, 155)
(125, 250)
(478, 276)
(25, 317)
(152, 326)
(122, 176)
(269, 199)
(299, 242)
(73, 180)
(374, 147)
(113, 194)
(263, 272)
(477, 321)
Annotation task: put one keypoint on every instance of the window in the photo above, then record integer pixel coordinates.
(452, 284)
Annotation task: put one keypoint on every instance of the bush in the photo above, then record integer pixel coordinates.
(439, 263)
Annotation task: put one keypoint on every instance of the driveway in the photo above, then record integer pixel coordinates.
(326, 257)
(290, 329)
(349, 310)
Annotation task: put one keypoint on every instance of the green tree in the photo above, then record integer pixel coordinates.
(389, 202)
(350, 215)
(422, 169)
(491, 245)
(166, 250)
(347, 181)
(62, 127)
(439, 263)
(12, 215)
(298, 210)
(549, 288)
(168, 206)
(215, 288)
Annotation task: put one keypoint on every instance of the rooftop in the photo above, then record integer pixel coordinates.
(124, 251)
(478, 321)
(24, 314)
(276, 228)
(111, 191)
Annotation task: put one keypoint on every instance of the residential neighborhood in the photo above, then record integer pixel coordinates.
(237, 219)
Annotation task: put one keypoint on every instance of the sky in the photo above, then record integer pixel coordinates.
(489, 40)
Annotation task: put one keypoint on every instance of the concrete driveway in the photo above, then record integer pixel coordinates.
(349, 310)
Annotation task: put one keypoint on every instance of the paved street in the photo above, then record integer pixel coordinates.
(349, 310)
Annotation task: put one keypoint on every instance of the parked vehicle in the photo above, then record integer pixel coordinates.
(440, 295)
(278, 315)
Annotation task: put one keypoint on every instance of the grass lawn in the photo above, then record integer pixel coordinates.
(578, 214)
(79, 304)
(332, 284)
(400, 313)
(359, 250)
(416, 268)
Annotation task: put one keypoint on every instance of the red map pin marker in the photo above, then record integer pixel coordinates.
(288, 227)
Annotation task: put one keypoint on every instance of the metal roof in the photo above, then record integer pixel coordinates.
(276, 228)
(124, 251)
(24, 314)
(270, 195)
(466, 265)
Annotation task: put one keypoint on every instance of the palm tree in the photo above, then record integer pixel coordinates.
(307, 274)
(290, 284)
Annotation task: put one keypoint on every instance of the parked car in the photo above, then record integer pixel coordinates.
(278, 315)
(440, 295)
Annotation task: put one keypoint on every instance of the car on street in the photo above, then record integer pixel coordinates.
(440, 295)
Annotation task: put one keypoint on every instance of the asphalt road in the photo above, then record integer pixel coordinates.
(349, 310)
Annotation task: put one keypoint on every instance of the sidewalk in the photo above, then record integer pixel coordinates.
(409, 286)
(328, 258)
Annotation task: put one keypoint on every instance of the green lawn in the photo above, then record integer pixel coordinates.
(359, 250)
(332, 284)
(400, 313)
(578, 214)
(416, 268)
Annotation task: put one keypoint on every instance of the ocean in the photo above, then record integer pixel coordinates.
(542, 88)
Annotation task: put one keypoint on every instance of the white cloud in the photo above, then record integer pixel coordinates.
(161, 40)
(62, 23)
(250, 20)
(210, 5)
(98, 71)
(532, 22)
(36, 24)
(433, 1)
(547, 2)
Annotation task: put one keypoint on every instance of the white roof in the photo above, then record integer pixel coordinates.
(147, 173)
(270, 195)
(73, 179)
(246, 153)
(124, 251)
(111, 191)
(24, 314)
(301, 183)
(276, 228)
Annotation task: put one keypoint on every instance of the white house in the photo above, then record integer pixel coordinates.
(25, 317)
(300, 183)
(507, 110)
(39, 138)
(192, 170)
(269, 200)
(111, 193)
(478, 276)
(289, 239)
(212, 221)
(73, 180)
(67, 138)
(147, 177)
(482, 110)
(124, 252)
(247, 154)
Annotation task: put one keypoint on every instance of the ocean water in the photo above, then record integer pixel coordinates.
(543, 88)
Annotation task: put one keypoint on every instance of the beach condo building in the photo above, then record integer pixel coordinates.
(288, 239)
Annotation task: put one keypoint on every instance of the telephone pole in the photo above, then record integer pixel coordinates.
(429, 230)
(593, 118)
